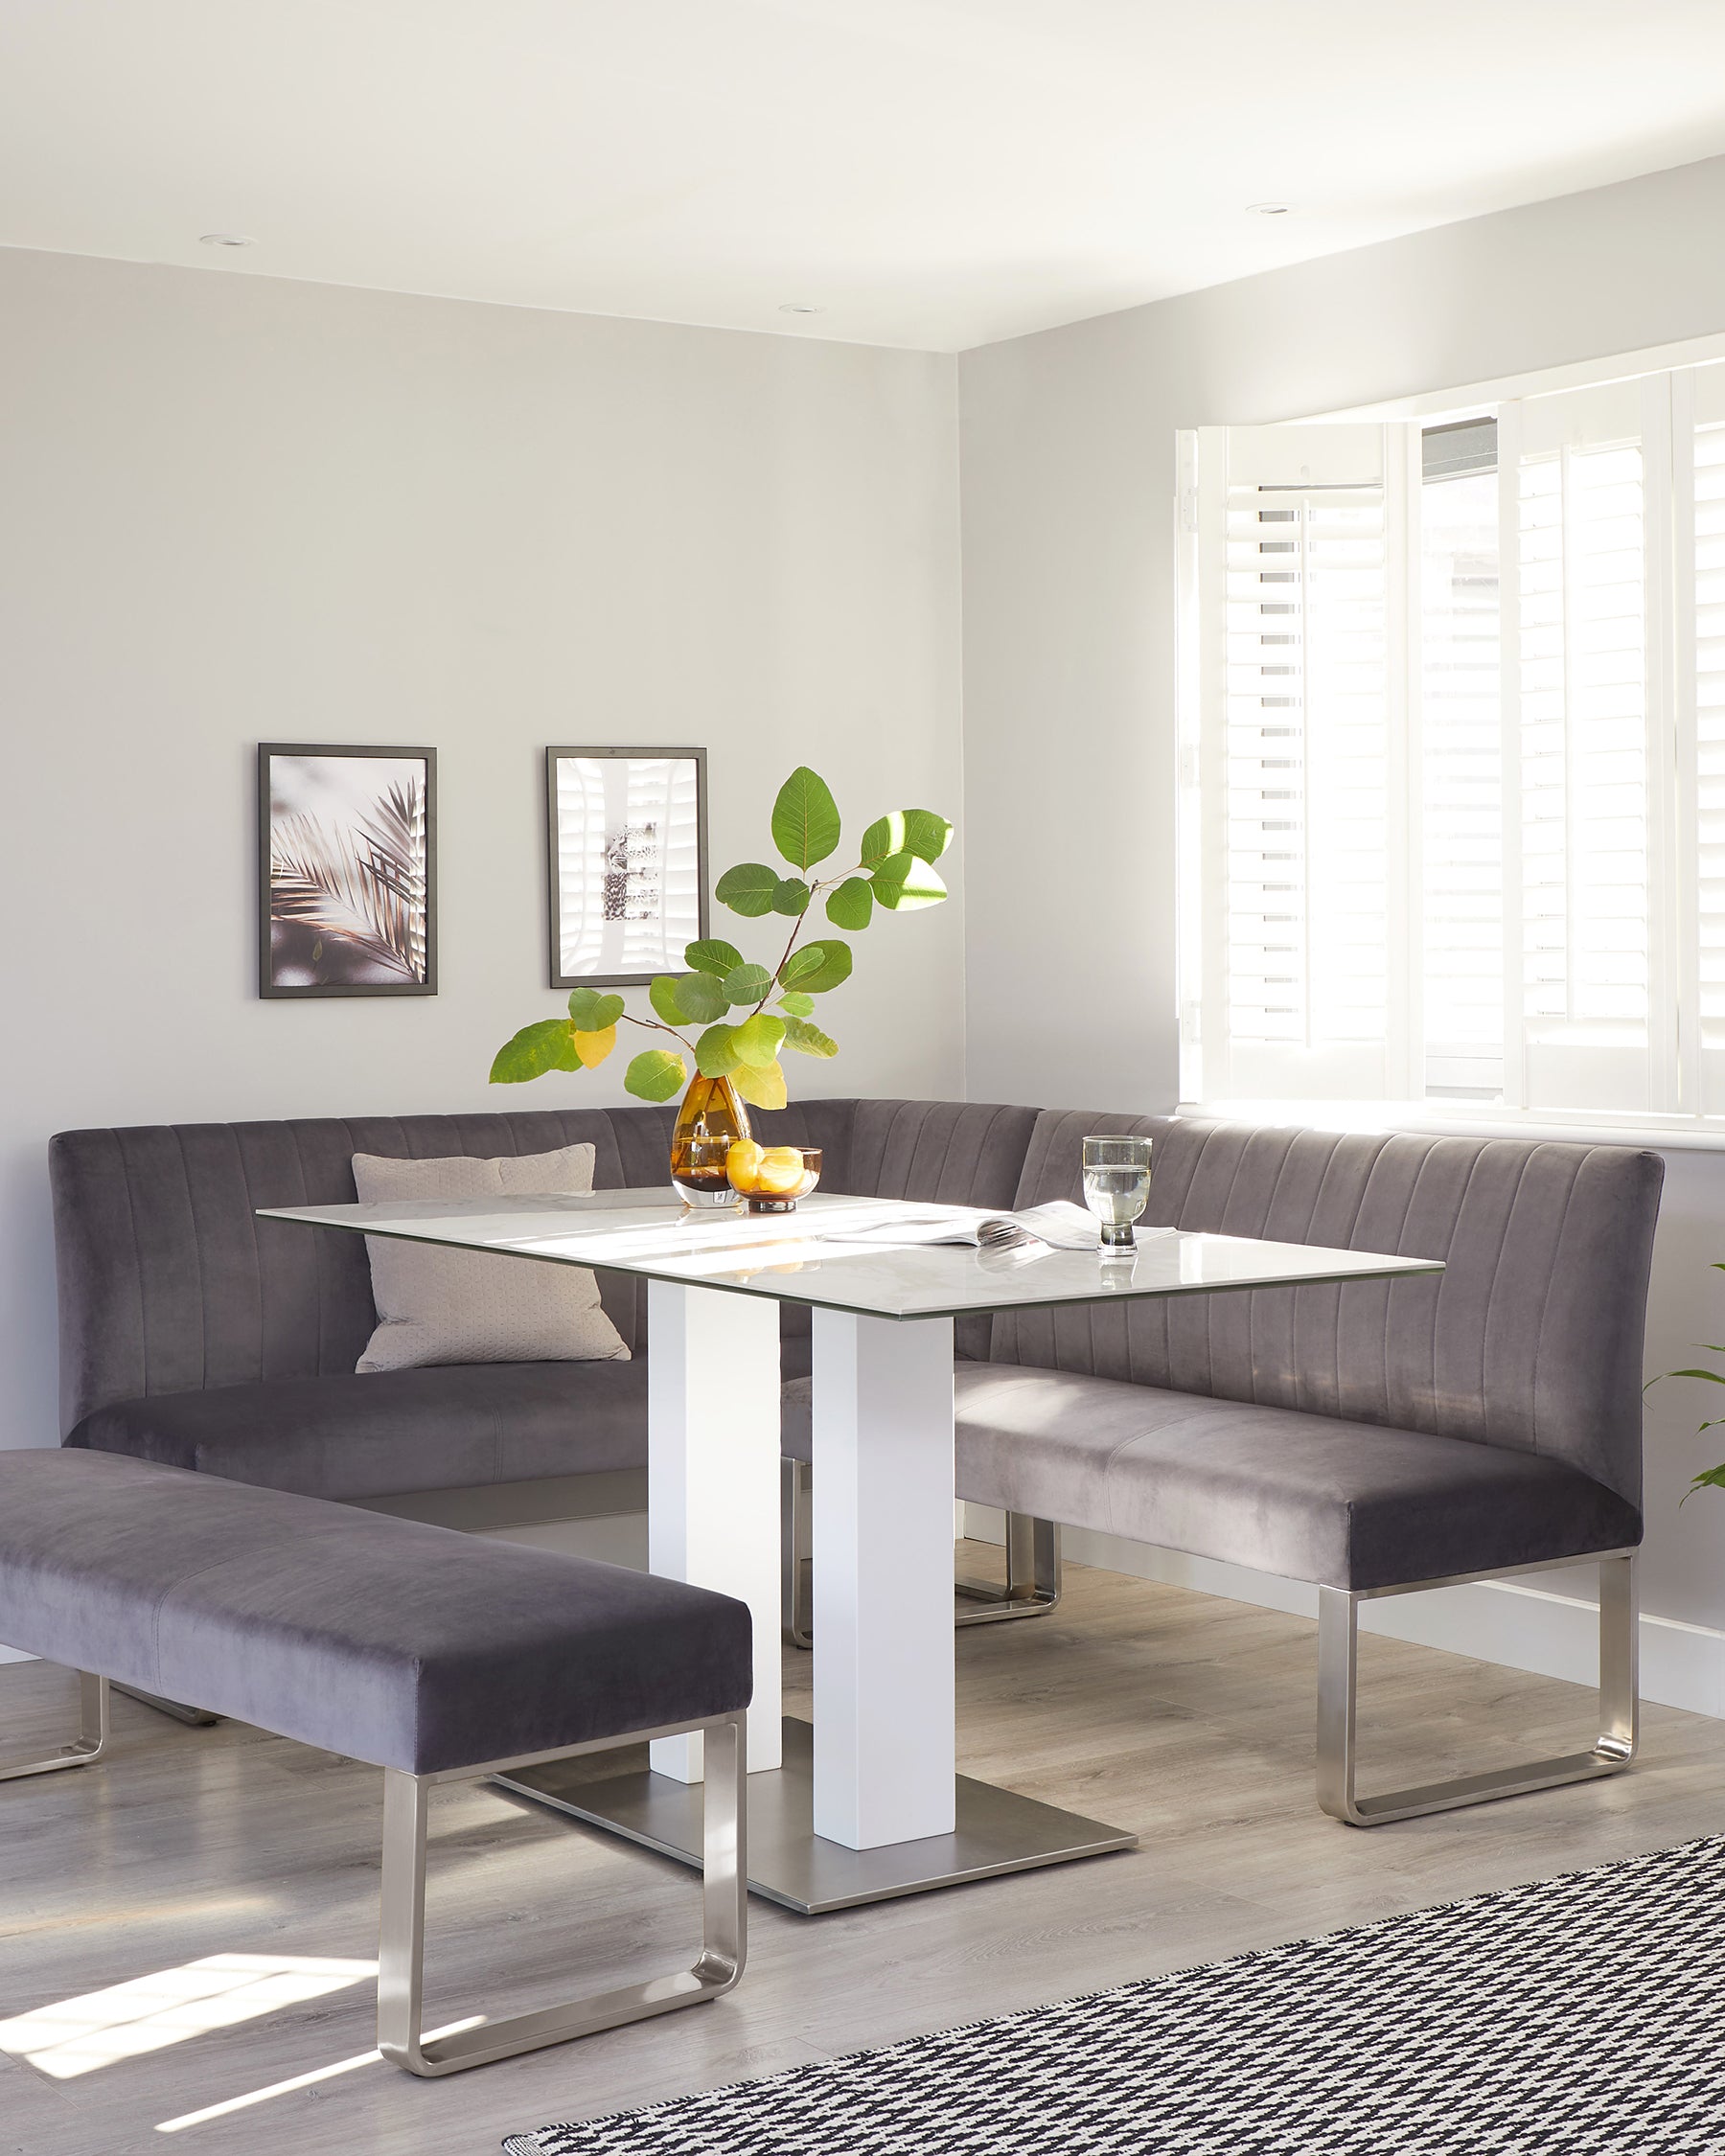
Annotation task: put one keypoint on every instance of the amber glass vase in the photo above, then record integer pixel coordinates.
(708, 1124)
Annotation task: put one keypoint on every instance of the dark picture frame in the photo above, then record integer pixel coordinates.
(620, 881)
(347, 870)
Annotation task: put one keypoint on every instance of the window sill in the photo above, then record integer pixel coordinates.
(1449, 1119)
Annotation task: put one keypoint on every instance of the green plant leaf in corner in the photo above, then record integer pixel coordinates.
(656, 1074)
(716, 1053)
(591, 1012)
(926, 834)
(808, 1040)
(747, 984)
(703, 998)
(662, 996)
(761, 1089)
(852, 904)
(757, 1040)
(797, 1003)
(805, 818)
(904, 882)
(712, 954)
(548, 1046)
(791, 898)
(747, 889)
(816, 967)
(885, 835)
(1709, 1478)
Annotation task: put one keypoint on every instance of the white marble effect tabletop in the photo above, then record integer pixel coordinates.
(798, 1257)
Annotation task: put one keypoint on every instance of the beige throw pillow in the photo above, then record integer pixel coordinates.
(437, 1305)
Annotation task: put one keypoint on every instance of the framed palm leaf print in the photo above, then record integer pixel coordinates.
(347, 870)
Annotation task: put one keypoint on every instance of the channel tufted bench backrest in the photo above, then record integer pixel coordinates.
(169, 1283)
(1530, 1339)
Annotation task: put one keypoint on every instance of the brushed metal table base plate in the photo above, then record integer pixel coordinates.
(998, 1830)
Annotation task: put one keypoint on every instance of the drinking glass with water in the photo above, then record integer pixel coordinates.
(1116, 1185)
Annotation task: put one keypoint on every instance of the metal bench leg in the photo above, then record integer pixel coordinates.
(401, 1956)
(93, 1734)
(1032, 1586)
(798, 1616)
(1338, 1669)
(194, 1717)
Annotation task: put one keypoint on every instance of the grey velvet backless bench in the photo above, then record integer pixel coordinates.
(436, 1656)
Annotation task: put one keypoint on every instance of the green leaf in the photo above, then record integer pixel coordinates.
(805, 819)
(593, 1048)
(747, 889)
(852, 904)
(809, 1040)
(703, 997)
(792, 897)
(797, 1003)
(716, 1052)
(712, 954)
(884, 836)
(591, 1012)
(761, 1089)
(747, 984)
(1711, 1479)
(662, 996)
(926, 834)
(907, 831)
(1712, 1377)
(816, 967)
(656, 1074)
(757, 1040)
(904, 882)
(548, 1046)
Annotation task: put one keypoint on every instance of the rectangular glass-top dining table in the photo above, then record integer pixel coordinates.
(867, 1804)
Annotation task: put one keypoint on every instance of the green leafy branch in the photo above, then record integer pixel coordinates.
(894, 869)
(1712, 1478)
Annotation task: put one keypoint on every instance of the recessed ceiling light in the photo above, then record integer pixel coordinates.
(1267, 209)
(225, 240)
(794, 307)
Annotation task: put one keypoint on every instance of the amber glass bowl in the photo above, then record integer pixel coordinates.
(772, 1178)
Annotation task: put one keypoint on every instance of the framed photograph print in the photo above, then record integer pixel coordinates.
(625, 853)
(347, 870)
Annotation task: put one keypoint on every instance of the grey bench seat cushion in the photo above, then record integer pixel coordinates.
(391, 1431)
(1303, 1497)
(404, 1645)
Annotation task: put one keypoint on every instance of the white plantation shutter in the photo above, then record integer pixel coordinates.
(1296, 748)
(1461, 774)
(1453, 757)
(1592, 1027)
(1701, 613)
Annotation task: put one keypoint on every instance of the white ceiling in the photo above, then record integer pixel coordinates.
(925, 172)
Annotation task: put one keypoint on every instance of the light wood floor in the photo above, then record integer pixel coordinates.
(1186, 1718)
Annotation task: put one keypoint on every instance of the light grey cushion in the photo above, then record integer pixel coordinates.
(438, 1305)
(1303, 1497)
(404, 1645)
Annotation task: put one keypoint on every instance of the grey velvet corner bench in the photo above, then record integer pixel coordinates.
(436, 1656)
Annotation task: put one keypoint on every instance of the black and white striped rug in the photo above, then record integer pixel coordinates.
(1580, 2016)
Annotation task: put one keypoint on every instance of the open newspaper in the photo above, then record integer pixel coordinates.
(1060, 1226)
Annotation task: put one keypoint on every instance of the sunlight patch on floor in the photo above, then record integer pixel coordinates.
(149, 2012)
(300, 2081)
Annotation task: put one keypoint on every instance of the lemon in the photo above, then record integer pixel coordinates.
(742, 1162)
(780, 1170)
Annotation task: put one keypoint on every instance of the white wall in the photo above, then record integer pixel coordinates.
(1067, 466)
(234, 509)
